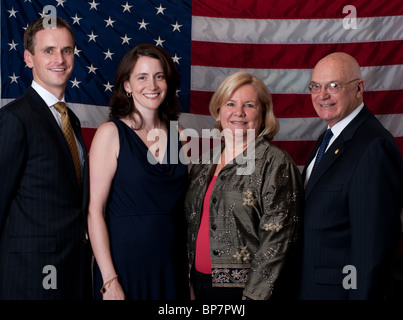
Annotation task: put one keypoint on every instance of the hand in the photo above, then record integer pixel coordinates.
(114, 291)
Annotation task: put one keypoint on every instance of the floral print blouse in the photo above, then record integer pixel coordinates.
(255, 214)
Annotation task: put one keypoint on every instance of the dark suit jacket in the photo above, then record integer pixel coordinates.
(353, 202)
(42, 209)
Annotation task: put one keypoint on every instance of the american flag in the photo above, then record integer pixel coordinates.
(278, 41)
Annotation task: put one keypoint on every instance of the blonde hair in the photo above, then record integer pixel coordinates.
(270, 124)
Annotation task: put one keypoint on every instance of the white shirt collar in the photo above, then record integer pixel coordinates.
(339, 126)
(48, 97)
(336, 129)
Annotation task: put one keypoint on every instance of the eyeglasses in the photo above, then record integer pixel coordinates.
(331, 87)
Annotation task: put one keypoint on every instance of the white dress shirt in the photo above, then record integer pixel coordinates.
(50, 100)
(336, 129)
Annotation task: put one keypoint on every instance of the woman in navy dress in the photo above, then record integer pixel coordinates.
(137, 185)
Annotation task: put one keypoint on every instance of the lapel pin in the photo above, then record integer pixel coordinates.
(336, 152)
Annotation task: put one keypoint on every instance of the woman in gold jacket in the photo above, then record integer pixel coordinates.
(244, 203)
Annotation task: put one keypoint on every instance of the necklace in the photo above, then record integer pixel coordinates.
(155, 127)
(144, 132)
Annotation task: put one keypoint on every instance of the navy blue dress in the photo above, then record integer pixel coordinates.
(145, 222)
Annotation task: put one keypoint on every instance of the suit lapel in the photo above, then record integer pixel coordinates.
(335, 151)
(315, 149)
(332, 154)
(40, 107)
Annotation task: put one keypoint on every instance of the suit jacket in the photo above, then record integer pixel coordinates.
(42, 208)
(353, 202)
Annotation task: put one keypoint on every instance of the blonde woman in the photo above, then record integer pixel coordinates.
(244, 202)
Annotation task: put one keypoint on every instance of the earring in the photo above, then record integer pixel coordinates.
(129, 94)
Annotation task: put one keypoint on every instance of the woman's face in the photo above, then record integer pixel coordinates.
(147, 84)
(241, 112)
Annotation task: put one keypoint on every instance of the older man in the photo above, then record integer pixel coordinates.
(353, 192)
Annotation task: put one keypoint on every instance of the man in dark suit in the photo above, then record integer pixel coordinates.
(44, 252)
(353, 193)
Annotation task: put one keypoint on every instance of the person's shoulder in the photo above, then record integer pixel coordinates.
(371, 132)
(16, 105)
(108, 128)
(271, 151)
(106, 137)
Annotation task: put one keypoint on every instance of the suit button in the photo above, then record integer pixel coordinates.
(214, 227)
(214, 200)
(216, 252)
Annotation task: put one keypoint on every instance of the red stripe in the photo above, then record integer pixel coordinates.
(293, 9)
(88, 135)
(300, 150)
(300, 105)
(292, 56)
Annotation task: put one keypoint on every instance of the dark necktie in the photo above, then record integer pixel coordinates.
(326, 138)
(69, 136)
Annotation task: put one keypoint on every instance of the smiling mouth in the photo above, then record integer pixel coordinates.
(238, 122)
(327, 105)
(151, 95)
(57, 69)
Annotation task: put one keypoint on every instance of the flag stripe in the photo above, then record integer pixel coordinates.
(300, 105)
(293, 9)
(377, 78)
(288, 31)
(291, 56)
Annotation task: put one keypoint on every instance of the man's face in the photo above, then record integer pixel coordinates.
(335, 106)
(53, 59)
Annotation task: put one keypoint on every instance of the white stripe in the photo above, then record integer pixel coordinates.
(288, 31)
(290, 81)
(291, 129)
(91, 116)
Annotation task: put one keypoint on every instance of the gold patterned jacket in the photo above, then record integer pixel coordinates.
(254, 216)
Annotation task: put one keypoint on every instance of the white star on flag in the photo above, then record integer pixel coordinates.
(13, 45)
(160, 9)
(143, 24)
(14, 78)
(108, 54)
(92, 36)
(176, 26)
(93, 5)
(75, 83)
(126, 7)
(109, 22)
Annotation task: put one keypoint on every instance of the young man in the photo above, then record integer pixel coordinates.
(44, 252)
